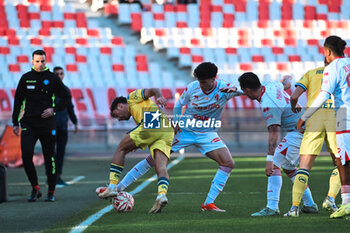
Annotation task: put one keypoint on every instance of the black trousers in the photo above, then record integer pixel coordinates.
(61, 142)
(47, 137)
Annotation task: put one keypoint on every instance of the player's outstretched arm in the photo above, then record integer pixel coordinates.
(272, 141)
(294, 99)
(160, 100)
(231, 90)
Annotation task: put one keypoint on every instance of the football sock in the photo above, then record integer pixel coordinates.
(300, 184)
(218, 184)
(163, 185)
(135, 173)
(307, 196)
(114, 173)
(334, 183)
(274, 184)
(345, 194)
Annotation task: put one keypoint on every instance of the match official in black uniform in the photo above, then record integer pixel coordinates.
(35, 94)
(62, 130)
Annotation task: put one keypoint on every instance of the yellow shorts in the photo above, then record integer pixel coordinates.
(319, 127)
(153, 138)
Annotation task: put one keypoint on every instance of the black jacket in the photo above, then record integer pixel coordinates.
(36, 92)
(62, 116)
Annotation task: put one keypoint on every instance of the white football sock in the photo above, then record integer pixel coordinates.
(274, 185)
(218, 184)
(135, 173)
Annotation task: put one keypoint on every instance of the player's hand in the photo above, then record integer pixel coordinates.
(300, 125)
(47, 113)
(16, 130)
(296, 108)
(161, 101)
(228, 89)
(286, 81)
(269, 168)
(76, 129)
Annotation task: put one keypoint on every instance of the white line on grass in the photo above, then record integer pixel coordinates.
(93, 218)
(75, 180)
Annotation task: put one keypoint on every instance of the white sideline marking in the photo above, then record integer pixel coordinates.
(93, 218)
(75, 180)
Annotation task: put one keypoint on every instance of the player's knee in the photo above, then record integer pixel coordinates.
(229, 164)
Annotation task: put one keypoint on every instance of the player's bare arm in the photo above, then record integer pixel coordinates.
(160, 100)
(272, 144)
(294, 99)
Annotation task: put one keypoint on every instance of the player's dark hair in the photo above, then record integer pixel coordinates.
(38, 52)
(116, 101)
(205, 70)
(57, 68)
(249, 80)
(335, 44)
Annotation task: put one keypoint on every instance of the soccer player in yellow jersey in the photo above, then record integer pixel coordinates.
(319, 128)
(149, 133)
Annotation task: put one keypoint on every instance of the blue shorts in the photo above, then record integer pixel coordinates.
(204, 141)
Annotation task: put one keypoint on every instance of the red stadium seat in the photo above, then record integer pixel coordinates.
(197, 59)
(184, 50)
(206, 32)
(118, 67)
(277, 50)
(266, 42)
(81, 41)
(258, 58)
(246, 66)
(80, 59)
(45, 7)
(111, 9)
(216, 8)
(231, 50)
(44, 32)
(293, 58)
(169, 8)
(34, 15)
(158, 16)
(72, 68)
(106, 50)
(117, 40)
(10, 32)
(14, 68)
(5, 50)
(46, 24)
(141, 58)
(181, 24)
(67, 15)
(49, 50)
(35, 41)
(195, 42)
(13, 41)
(159, 32)
(181, 8)
(282, 66)
(312, 42)
(22, 59)
(143, 67)
(93, 32)
(71, 50)
(57, 24)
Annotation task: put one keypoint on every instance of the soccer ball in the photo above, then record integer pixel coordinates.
(124, 202)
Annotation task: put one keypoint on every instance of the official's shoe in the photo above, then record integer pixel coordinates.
(35, 195)
(50, 197)
(329, 205)
(310, 209)
(60, 183)
(293, 212)
(211, 207)
(106, 193)
(344, 210)
(159, 204)
(266, 212)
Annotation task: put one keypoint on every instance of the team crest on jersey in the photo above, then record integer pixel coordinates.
(196, 97)
(217, 97)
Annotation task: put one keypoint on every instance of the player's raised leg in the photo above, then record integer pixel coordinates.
(224, 159)
(126, 145)
(161, 161)
(136, 172)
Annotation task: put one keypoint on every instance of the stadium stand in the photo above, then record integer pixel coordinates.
(272, 38)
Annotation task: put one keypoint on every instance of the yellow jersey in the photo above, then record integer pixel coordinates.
(311, 82)
(138, 104)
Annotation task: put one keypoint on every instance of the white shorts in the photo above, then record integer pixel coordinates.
(343, 143)
(204, 141)
(287, 152)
